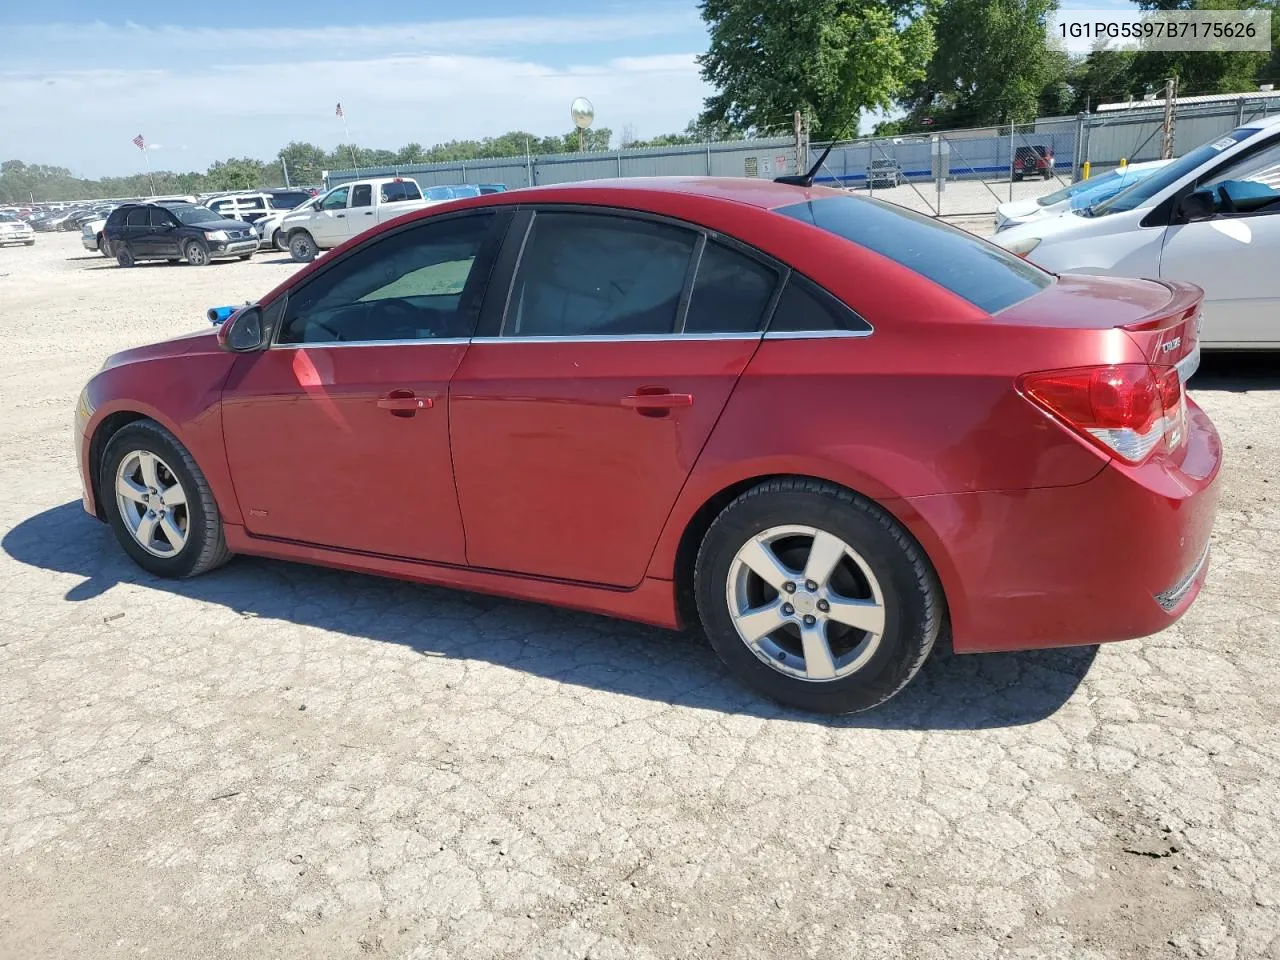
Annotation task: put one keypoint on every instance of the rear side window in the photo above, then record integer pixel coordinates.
(804, 307)
(137, 217)
(117, 216)
(730, 293)
(362, 195)
(980, 272)
(399, 190)
(584, 274)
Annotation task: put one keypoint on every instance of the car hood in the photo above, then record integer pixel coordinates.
(198, 341)
(1069, 226)
(217, 224)
(1017, 208)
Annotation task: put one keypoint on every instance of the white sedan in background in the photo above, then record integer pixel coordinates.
(1211, 217)
(15, 230)
(1074, 196)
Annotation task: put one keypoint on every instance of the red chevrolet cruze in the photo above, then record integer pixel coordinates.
(821, 425)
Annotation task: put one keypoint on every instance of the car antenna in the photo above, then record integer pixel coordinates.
(806, 179)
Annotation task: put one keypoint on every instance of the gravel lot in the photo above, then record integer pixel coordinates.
(279, 761)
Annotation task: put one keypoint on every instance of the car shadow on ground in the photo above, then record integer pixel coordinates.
(951, 693)
(1238, 372)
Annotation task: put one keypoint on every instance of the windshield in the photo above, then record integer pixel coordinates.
(6, 215)
(1084, 186)
(1132, 197)
(195, 214)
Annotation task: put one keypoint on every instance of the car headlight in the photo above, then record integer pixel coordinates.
(217, 235)
(1022, 247)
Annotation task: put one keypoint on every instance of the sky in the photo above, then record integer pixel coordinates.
(204, 82)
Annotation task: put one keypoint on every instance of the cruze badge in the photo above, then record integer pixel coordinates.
(1171, 345)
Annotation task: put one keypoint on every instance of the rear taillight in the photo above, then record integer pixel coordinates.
(1128, 409)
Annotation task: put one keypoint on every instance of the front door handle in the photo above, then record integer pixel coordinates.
(402, 403)
(657, 401)
(339, 215)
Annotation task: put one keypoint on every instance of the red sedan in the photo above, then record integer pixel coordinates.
(821, 425)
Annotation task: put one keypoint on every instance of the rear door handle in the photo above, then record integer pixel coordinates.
(657, 401)
(402, 403)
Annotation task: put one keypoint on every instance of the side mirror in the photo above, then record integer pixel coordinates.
(1198, 205)
(243, 332)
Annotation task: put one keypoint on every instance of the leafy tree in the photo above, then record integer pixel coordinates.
(306, 161)
(244, 173)
(830, 59)
(991, 64)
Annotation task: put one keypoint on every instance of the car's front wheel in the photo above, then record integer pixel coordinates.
(159, 504)
(816, 597)
(196, 254)
(302, 247)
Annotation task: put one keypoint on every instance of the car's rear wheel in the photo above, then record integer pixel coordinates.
(278, 241)
(816, 597)
(159, 504)
(196, 254)
(124, 256)
(302, 247)
(104, 247)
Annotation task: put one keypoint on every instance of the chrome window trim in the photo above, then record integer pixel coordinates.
(819, 334)
(330, 344)
(624, 338)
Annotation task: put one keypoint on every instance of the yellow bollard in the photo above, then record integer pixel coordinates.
(1086, 170)
(1124, 162)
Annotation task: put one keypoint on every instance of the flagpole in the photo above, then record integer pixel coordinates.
(146, 152)
(347, 135)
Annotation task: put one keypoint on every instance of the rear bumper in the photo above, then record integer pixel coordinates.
(1121, 556)
(89, 243)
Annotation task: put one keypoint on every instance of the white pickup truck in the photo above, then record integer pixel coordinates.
(346, 210)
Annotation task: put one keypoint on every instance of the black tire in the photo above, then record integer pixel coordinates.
(206, 546)
(124, 256)
(1048, 174)
(1017, 178)
(245, 256)
(104, 246)
(194, 252)
(912, 596)
(278, 242)
(29, 243)
(302, 247)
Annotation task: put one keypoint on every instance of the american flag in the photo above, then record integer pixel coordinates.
(139, 142)
(338, 111)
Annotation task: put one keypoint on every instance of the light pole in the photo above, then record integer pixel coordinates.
(583, 114)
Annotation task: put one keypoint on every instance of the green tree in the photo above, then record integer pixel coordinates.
(243, 173)
(306, 161)
(991, 64)
(830, 59)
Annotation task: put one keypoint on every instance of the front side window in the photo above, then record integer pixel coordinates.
(160, 217)
(1248, 185)
(362, 195)
(337, 200)
(406, 286)
(971, 268)
(587, 274)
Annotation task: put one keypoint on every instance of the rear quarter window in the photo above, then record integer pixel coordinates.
(980, 272)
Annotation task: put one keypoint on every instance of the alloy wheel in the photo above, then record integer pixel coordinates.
(152, 503)
(805, 603)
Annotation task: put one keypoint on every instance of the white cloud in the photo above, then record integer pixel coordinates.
(219, 108)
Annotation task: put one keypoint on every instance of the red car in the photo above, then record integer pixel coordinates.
(821, 425)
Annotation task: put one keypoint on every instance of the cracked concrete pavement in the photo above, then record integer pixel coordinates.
(275, 760)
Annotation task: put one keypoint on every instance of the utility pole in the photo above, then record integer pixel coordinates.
(284, 166)
(801, 152)
(1170, 96)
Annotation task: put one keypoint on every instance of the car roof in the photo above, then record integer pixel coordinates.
(759, 193)
(1262, 123)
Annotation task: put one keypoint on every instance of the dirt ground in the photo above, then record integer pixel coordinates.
(279, 761)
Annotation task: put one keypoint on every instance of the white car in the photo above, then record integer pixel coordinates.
(347, 210)
(1211, 217)
(14, 230)
(1074, 196)
(91, 236)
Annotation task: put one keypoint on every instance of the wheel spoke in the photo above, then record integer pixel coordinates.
(175, 536)
(146, 530)
(174, 496)
(860, 614)
(825, 553)
(818, 664)
(130, 490)
(150, 478)
(758, 623)
(765, 564)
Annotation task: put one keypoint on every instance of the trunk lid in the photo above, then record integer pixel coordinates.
(1161, 317)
